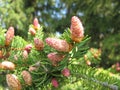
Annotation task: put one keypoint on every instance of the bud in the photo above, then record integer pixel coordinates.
(32, 68)
(54, 82)
(88, 62)
(77, 30)
(36, 24)
(66, 72)
(32, 31)
(15, 57)
(27, 77)
(58, 44)
(55, 57)
(85, 57)
(9, 36)
(118, 66)
(28, 47)
(38, 44)
(8, 65)
(96, 52)
(25, 54)
(13, 82)
(1, 54)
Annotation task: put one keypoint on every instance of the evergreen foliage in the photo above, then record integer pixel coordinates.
(93, 62)
(39, 70)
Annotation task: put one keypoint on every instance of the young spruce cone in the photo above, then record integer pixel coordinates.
(77, 30)
(27, 77)
(1, 54)
(9, 36)
(36, 24)
(32, 31)
(25, 54)
(7, 65)
(58, 44)
(38, 44)
(13, 82)
(54, 82)
(28, 47)
(55, 57)
(66, 72)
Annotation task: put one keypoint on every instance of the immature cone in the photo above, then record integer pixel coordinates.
(25, 54)
(32, 68)
(55, 57)
(32, 31)
(27, 77)
(88, 62)
(96, 53)
(77, 30)
(38, 44)
(16, 57)
(28, 47)
(118, 66)
(36, 23)
(13, 82)
(54, 82)
(58, 44)
(9, 36)
(1, 54)
(7, 65)
(66, 72)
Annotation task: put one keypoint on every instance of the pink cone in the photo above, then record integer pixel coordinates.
(9, 36)
(7, 65)
(25, 54)
(13, 82)
(77, 30)
(27, 77)
(118, 66)
(66, 72)
(55, 57)
(38, 44)
(28, 47)
(54, 82)
(32, 31)
(58, 44)
(36, 23)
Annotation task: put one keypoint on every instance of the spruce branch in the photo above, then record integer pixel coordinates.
(99, 76)
(48, 64)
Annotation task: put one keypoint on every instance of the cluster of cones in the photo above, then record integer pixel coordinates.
(77, 34)
(12, 80)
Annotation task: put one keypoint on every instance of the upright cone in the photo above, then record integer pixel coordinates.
(27, 77)
(28, 47)
(1, 54)
(36, 24)
(55, 57)
(9, 36)
(32, 31)
(13, 82)
(7, 65)
(58, 44)
(77, 30)
(66, 72)
(38, 44)
(55, 82)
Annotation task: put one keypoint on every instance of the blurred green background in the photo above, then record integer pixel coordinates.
(101, 19)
